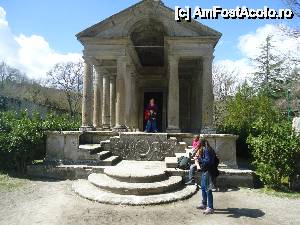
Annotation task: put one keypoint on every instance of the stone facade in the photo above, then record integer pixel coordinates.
(143, 50)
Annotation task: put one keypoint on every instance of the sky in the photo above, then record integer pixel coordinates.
(35, 34)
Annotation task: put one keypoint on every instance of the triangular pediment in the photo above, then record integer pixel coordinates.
(121, 24)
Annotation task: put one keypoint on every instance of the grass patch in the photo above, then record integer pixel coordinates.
(8, 183)
(282, 193)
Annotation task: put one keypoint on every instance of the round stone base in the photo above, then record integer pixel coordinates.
(87, 190)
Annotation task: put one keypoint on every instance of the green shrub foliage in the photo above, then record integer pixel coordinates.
(242, 111)
(22, 137)
(274, 149)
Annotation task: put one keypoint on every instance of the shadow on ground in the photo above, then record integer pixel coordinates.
(241, 212)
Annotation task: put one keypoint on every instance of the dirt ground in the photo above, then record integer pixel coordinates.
(53, 202)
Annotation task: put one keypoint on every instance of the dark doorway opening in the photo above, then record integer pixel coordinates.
(158, 97)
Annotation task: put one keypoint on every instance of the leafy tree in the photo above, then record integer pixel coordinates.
(274, 150)
(271, 74)
(68, 77)
(242, 111)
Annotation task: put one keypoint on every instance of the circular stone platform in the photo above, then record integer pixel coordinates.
(115, 186)
(87, 190)
(135, 174)
(134, 183)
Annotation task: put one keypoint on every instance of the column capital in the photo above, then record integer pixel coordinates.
(87, 60)
(208, 58)
(122, 59)
(131, 71)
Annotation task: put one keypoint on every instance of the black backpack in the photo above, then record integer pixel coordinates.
(184, 163)
(214, 167)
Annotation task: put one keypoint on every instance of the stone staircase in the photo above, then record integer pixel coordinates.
(133, 185)
(97, 156)
(171, 162)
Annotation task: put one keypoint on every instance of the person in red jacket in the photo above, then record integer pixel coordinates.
(151, 116)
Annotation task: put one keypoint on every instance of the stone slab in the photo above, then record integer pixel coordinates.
(143, 146)
(110, 161)
(87, 190)
(91, 148)
(135, 174)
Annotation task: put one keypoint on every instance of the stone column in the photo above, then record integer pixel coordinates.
(97, 99)
(106, 101)
(134, 110)
(120, 95)
(128, 97)
(207, 96)
(173, 96)
(87, 98)
(112, 100)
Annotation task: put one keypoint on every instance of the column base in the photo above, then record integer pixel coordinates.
(120, 128)
(173, 130)
(106, 127)
(87, 128)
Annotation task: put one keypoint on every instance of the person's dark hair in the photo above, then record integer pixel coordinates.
(203, 142)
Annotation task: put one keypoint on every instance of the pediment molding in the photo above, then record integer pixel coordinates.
(121, 24)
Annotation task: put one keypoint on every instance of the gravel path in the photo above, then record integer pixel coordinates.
(46, 202)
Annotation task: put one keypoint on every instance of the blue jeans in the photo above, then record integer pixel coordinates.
(192, 171)
(151, 125)
(207, 196)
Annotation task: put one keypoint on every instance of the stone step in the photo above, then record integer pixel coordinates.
(178, 154)
(87, 190)
(104, 155)
(92, 148)
(181, 147)
(110, 161)
(115, 186)
(135, 175)
(171, 162)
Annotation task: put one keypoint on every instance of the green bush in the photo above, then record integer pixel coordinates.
(274, 150)
(22, 137)
(243, 110)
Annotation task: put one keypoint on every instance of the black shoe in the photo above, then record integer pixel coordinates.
(191, 182)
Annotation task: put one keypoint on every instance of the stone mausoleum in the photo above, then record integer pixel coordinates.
(143, 53)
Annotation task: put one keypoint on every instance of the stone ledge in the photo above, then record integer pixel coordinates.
(62, 172)
(85, 189)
